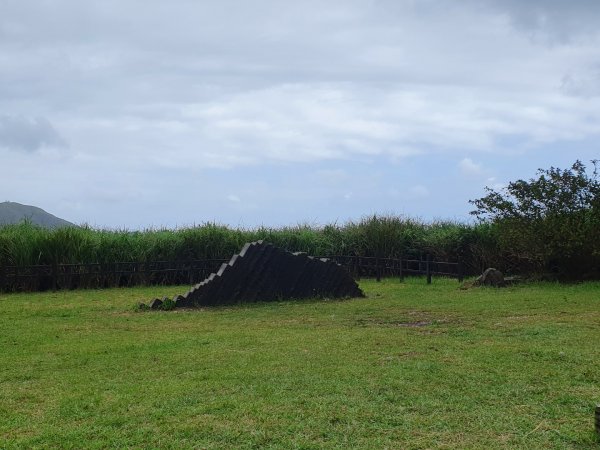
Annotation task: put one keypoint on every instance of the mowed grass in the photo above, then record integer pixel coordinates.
(410, 366)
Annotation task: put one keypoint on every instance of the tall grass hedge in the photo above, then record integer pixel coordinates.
(376, 235)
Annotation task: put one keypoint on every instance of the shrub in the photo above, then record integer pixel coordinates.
(167, 305)
(549, 223)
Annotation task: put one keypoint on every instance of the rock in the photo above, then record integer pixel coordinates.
(155, 304)
(491, 277)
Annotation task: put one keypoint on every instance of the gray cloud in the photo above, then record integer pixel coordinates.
(552, 21)
(28, 134)
(586, 84)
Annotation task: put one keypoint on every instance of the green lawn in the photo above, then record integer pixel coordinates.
(410, 366)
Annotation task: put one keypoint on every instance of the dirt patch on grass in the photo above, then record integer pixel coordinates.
(416, 319)
(398, 323)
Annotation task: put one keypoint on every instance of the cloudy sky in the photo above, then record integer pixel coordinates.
(139, 113)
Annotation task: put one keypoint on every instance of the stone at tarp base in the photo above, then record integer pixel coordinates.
(180, 301)
(491, 277)
(155, 304)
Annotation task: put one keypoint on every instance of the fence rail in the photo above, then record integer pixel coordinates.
(400, 267)
(96, 275)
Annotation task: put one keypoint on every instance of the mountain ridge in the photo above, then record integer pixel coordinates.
(14, 213)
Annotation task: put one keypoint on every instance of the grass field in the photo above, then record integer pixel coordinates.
(410, 366)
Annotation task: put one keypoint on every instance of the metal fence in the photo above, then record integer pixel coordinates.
(96, 275)
(400, 267)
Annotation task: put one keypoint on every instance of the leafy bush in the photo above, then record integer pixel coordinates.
(168, 305)
(550, 223)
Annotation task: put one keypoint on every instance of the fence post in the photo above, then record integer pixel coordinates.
(54, 277)
(400, 273)
(377, 269)
(460, 269)
(2, 278)
(36, 280)
(103, 280)
(428, 268)
(190, 272)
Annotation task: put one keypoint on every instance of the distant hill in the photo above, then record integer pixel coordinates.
(11, 212)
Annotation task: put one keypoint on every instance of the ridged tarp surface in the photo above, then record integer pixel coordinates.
(263, 272)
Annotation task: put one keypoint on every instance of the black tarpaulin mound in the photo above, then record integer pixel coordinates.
(263, 272)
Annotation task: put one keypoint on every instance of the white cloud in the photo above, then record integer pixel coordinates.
(233, 198)
(467, 166)
(237, 86)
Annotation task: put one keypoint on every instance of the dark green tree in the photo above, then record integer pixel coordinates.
(548, 223)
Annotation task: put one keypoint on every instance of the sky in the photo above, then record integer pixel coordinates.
(146, 113)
